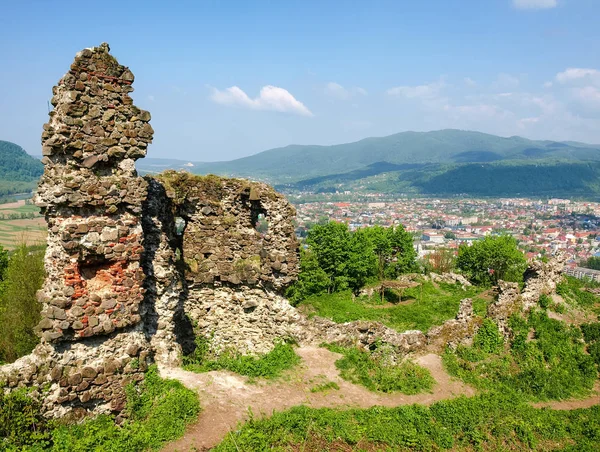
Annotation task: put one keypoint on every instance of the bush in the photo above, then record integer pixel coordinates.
(19, 308)
(552, 365)
(21, 423)
(270, 365)
(157, 411)
(376, 373)
(493, 258)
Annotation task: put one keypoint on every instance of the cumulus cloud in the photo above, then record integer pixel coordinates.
(426, 91)
(588, 96)
(270, 98)
(337, 91)
(534, 4)
(469, 81)
(576, 74)
(504, 81)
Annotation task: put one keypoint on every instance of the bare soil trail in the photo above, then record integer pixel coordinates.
(573, 404)
(226, 397)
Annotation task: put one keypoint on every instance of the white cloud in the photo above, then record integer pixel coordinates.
(151, 98)
(427, 91)
(270, 98)
(588, 96)
(337, 91)
(548, 85)
(574, 74)
(534, 4)
(469, 81)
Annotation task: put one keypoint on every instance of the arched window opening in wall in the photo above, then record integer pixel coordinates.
(180, 225)
(262, 224)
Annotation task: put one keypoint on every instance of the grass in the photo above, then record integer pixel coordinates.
(572, 291)
(378, 373)
(158, 411)
(421, 307)
(269, 365)
(491, 421)
(324, 387)
(544, 360)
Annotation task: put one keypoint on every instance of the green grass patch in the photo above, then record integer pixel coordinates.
(376, 372)
(269, 365)
(421, 307)
(158, 411)
(491, 421)
(545, 360)
(573, 291)
(324, 387)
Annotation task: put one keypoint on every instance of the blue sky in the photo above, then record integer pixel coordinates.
(225, 79)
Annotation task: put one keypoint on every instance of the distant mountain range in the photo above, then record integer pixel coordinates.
(19, 171)
(444, 162)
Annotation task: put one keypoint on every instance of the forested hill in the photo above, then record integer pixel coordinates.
(18, 165)
(297, 162)
(19, 171)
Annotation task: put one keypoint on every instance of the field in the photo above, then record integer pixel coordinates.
(21, 222)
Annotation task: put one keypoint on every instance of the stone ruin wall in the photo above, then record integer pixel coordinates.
(136, 267)
(234, 274)
(124, 287)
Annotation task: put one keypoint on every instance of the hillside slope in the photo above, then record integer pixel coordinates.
(296, 162)
(19, 171)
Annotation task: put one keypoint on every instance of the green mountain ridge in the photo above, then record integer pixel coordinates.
(19, 171)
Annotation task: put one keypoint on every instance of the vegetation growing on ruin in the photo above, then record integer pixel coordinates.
(491, 421)
(180, 185)
(421, 307)
(21, 276)
(377, 371)
(157, 411)
(544, 359)
(269, 365)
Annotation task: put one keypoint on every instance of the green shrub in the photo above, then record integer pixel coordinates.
(157, 411)
(488, 338)
(376, 373)
(19, 308)
(21, 423)
(544, 301)
(552, 365)
(270, 365)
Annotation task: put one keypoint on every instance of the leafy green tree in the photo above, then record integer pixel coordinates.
(362, 262)
(312, 279)
(329, 243)
(593, 263)
(19, 308)
(403, 256)
(493, 258)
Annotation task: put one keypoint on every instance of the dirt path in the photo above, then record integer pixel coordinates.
(573, 404)
(226, 397)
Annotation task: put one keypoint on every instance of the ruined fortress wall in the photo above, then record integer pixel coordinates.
(235, 274)
(93, 342)
(132, 263)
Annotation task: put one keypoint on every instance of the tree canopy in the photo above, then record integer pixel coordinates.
(493, 258)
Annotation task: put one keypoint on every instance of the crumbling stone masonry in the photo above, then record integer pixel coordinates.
(133, 264)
